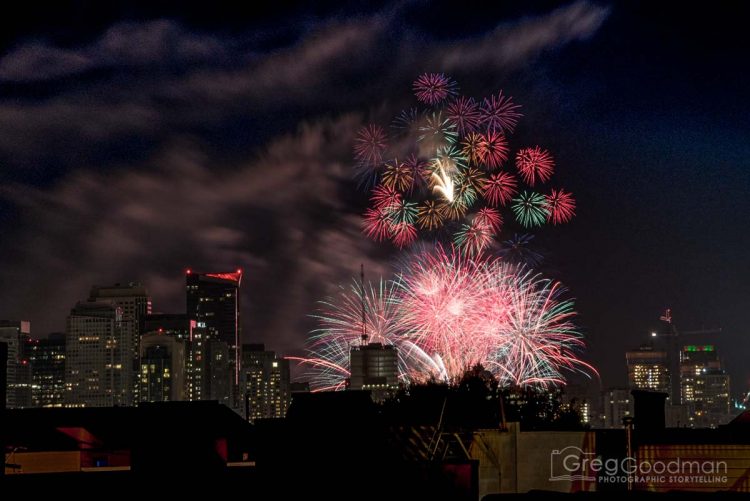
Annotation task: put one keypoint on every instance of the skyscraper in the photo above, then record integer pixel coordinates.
(704, 385)
(47, 360)
(266, 383)
(98, 357)
(162, 373)
(213, 302)
(18, 383)
(135, 303)
(648, 369)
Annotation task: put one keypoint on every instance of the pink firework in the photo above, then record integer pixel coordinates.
(499, 113)
(500, 188)
(535, 164)
(420, 170)
(464, 112)
(433, 88)
(383, 197)
(561, 206)
(493, 149)
(378, 224)
(370, 145)
(404, 234)
(489, 218)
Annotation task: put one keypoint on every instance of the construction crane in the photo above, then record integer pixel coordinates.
(673, 350)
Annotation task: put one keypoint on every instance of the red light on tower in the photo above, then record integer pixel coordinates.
(239, 271)
(188, 271)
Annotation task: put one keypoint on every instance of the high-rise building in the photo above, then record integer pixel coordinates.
(617, 403)
(648, 369)
(162, 374)
(213, 303)
(18, 375)
(135, 303)
(704, 385)
(47, 360)
(98, 356)
(266, 383)
(374, 366)
(578, 397)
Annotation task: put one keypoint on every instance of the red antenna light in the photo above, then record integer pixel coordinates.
(188, 271)
(239, 270)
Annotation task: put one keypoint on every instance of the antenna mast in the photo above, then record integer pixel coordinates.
(362, 298)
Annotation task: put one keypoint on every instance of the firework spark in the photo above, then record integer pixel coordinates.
(473, 238)
(398, 176)
(430, 215)
(489, 218)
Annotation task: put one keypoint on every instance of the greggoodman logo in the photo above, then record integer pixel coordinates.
(573, 463)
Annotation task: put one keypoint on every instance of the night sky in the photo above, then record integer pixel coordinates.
(138, 141)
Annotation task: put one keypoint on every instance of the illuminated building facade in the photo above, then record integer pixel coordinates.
(617, 404)
(98, 357)
(18, 373)
(704, 385)
(266, 383)
(648, 369)
(374, 366)
(162, 371)
(213, 303)
(47, 360)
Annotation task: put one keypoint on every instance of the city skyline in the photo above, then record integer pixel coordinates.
(654, 154)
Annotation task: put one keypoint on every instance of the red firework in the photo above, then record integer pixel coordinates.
(499, 113)
(404, 234)
(535, 164)
(464, 112)
(561, 206)
(433, 88)
(383, 197)
(420, 170)
(493, 149)
(499, 188)
(378, 224)
(489, 218)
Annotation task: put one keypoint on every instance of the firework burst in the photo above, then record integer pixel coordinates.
(499, 113)
(561, 205)
(493, 149)
(398, 176)
(434, 88)
(464, 112)
(447, 311)
(499, 188)
(535, 164)
(430, 215)
(530, 209)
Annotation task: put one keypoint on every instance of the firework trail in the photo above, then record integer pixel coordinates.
(446, 311)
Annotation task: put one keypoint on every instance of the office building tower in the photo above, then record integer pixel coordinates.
(98, 356)
(133, 299)
(704, 385)
(162, 373)
(213, 303)
(617, 404)
(266, 383)
(374, 366)
(648, 369)
(47, 360)
(18, 373)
